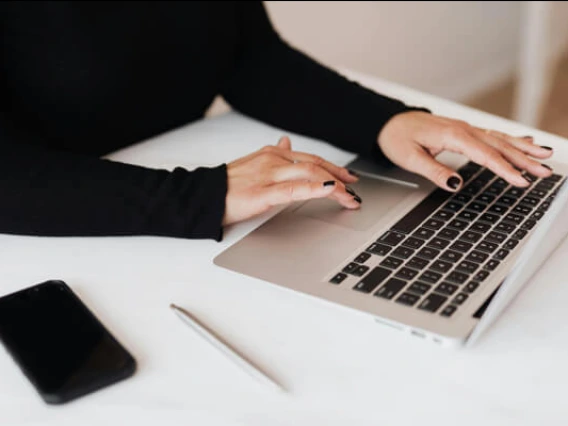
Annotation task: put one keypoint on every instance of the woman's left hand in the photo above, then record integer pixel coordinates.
(412, 140)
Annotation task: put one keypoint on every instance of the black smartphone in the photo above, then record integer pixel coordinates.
(59, 344)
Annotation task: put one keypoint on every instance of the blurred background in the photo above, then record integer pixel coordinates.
(508, 58)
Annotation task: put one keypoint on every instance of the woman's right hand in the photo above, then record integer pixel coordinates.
(276, 175)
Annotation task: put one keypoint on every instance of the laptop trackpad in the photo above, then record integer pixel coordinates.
(379, 198)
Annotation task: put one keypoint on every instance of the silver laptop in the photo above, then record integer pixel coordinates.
(438, 265)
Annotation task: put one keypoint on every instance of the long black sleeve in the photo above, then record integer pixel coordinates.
(80, 80)
(279, 84)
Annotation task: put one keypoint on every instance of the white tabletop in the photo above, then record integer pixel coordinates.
(339, 368)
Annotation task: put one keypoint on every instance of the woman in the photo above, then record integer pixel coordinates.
(79, 80)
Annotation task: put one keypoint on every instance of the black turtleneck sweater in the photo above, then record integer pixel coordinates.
(79, 80)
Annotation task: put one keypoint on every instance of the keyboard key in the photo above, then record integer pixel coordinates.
(451, 256)
(544, 206)
(480, 227)
(497, 209)
(391, 262)
(471, 286)
(413, 243)
(489, 218)
(403, 252)
(338, 278)
(487, 246)
(362, 258)
(511, 244)
(462, 198)
(506, 200)
(379, 249)
(528, 225)
(447, 288)
(491, 265)
(553, 178)
(538, 193)
(422, 211)
(485, 198)
(417, 263)
(520, 234)
(545, 185)
(430, 277)
(461, 246)
(390, 289)
(406, 274)
(477, 256)
(514, 218)
(438, 243)
(467, 215)
(448, 234)
(432, 302)
(419, 288)
(424, 233)
(441, 266)
(460, 298)
(522, 209)
(505, 227)
(495, 190)
(443, 215)
(516, 192)
(448, 311)
(501, 183)
(470, 237)
(349, 269)
(453, 206)
(530, 201)
(537, 215)
(458, 224)
(408, 299)
(481, 275)
(373, 279)
(477, 206)
(501, 254)
(467, 267)
(496, 237)
(428, 253)
(434, 224)
(360, 271)
(457, 277)
(391, 238)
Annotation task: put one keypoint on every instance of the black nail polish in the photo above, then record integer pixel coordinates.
(358, 199)
(453, 182)
(546, 147)
(546, 166)
(329, 183)
(353, 173)
(350, 191)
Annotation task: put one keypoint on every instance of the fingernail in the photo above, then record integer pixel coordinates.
(358, 199)
(546, 166)
(546, 147)
(350, 191)
(454, 182)
(329, 183)
(353, 172)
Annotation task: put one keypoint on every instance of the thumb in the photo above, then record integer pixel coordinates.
(440, 174)
(285, 143)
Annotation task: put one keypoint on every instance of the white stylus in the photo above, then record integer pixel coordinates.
(223, 347)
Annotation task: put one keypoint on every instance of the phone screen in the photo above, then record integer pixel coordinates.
(59, 344)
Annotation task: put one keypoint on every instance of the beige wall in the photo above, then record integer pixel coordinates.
(451, 49)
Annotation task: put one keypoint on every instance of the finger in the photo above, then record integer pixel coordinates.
(463, 142)
(515, 156)
(290, 191)
(522, 143)
(285, 143)
(421, 162)
(314, 173)
(340, 173)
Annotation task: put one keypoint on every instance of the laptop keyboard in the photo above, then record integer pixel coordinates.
(443, 250)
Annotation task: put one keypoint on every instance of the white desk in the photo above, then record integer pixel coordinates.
(340, 368)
